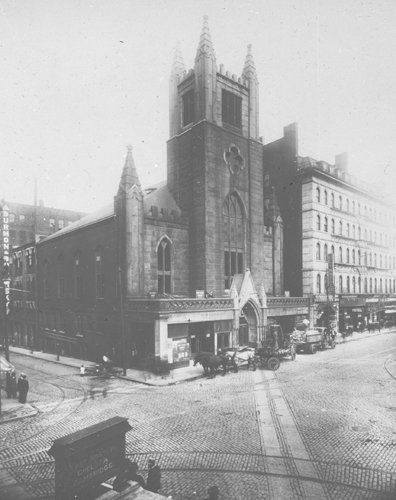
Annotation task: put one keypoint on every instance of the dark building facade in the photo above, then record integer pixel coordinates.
(22, 226)
(190, 264)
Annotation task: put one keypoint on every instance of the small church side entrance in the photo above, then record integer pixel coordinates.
(247, 325)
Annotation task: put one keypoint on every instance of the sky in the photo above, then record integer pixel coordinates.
(80, 80)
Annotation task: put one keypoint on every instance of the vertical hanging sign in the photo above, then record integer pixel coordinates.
(6, 258)
(330, 275)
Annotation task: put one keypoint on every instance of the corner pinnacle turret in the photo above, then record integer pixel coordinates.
(249, 70)
(178, 64)
(205, 46)
(129, 176)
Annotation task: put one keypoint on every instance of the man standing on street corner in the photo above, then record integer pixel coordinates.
(154, 476)
(22, 388)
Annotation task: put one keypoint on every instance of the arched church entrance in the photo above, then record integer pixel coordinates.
(247, 325)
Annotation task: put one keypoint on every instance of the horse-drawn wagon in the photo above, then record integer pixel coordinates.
(309, 341)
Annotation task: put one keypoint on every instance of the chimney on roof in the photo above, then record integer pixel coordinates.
(341, 162)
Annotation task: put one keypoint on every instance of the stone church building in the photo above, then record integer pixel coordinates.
(189, 264)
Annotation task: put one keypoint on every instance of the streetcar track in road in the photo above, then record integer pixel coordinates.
(387, 360)
(46, 415)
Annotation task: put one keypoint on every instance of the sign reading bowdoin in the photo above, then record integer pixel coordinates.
(87, 458)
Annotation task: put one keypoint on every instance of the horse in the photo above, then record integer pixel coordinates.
(211, 363)
(247, 354)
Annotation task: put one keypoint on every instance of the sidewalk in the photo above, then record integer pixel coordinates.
(140, 376)
(12, 410)
(359, 336)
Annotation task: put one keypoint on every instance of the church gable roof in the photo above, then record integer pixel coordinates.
(103, 213)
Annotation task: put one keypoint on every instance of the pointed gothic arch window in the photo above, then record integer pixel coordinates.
(317, 251)
(77, 276)
(46, 279)
(99, 273)
(234, 238)
(164, 266)
(61, 277)
(188, 107)
(231, 108)
(318, 284)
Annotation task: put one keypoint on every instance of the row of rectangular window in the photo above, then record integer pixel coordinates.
(82, 323)
(369, 235)
(27, 219)
(382, 218)
(370, 285)
(356, 258)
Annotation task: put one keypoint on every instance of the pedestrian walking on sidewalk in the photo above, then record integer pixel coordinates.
(154, 476)
(22, 388)
(58, 351)
(13, 385)
(82, 371)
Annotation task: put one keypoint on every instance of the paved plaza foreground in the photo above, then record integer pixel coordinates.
(321, 427)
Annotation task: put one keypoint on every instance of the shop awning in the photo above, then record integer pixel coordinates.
(5, 366)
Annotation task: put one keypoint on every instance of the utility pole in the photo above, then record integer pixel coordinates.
(38, 336)
(125, 354)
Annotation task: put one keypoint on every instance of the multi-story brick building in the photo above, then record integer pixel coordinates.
(22, 226)
(328, 212)
(29, 221)
(186, 265)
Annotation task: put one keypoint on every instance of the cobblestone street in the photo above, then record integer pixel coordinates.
(322, 426)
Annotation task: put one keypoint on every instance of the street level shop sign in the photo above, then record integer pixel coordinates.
(87, 458)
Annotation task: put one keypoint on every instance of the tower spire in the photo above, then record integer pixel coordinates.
(249, 70)
(129, 176)
(205, 46)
